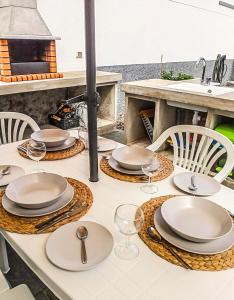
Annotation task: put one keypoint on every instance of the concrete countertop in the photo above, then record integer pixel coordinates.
(156, 89)
(71, 79)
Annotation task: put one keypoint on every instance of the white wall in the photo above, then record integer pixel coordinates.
(139, 31)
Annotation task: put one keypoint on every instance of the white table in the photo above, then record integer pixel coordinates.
(147, 277)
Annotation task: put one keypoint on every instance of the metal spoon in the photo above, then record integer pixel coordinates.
(82, 234)
(106, 156)
(155, 236)
(193, 186)
(5, 171)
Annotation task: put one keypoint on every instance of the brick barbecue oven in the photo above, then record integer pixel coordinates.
(27, 47)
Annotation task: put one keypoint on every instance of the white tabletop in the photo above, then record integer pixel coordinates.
(147, 277)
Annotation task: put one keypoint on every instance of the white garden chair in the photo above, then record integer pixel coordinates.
(13, 125)
(198, 148)
(20, 292)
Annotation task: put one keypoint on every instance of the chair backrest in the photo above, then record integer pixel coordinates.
(13, 125)
(198, 148)
(21, 292)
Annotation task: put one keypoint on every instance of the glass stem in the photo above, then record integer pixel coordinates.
(127, 241)
(37, 164)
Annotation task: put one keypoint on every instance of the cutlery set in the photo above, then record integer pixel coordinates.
(156, 237)
(22, 148)
(41, 227)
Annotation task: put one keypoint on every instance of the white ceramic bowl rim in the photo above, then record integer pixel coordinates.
(50, 135)
(216, 206)
(144, 155)
(13, 189)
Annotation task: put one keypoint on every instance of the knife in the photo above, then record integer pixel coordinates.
(71, 209)
(22, 148)
(63, 217)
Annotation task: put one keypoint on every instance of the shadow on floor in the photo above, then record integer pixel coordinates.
(20, 273)
(117, 135)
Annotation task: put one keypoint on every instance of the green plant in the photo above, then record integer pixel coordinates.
(169, 75)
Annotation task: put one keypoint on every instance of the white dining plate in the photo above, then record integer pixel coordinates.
(36, 190)
(14, 209)
(196, 219)
(67, 144)
(114, 165)
(213, 247)
(106, 144)
(63, 248)
(206, 185)
(14, 173)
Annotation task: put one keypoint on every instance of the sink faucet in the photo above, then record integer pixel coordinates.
(202, 59)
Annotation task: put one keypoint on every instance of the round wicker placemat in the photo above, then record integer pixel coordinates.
(72, 151)
(16, 224)
(217, 262)
(168, 168)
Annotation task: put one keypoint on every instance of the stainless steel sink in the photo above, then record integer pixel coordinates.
(198, 88)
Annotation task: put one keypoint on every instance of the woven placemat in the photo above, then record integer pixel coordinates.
(167, 165)
(72, 151)
(9, 222)
(217, 262)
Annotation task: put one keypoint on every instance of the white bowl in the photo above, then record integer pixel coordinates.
(36, 190)
(51, 137)
(132, 158)
(196, 219)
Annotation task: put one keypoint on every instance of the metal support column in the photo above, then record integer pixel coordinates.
(91, 87)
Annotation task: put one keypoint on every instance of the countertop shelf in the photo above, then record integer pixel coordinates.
(71, 79)
(156, 93)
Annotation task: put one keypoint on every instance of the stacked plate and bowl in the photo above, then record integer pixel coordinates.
(129, 160)
(195, 224)
(54, 139)
(37, 194)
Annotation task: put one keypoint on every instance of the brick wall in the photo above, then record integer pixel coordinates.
(5, 64)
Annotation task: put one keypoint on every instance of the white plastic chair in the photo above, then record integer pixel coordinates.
(13, 125)
(18, 292)
(198, 148)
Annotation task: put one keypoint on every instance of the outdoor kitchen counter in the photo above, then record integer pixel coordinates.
(71, 79)
(139, 94)
(155, 88)
(39, 98)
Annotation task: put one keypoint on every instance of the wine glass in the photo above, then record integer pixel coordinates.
(36, 151)
(129, 219)
(83, 136)
(151, 168)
